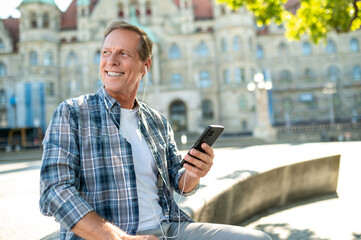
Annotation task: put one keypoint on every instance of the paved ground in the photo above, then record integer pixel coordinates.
(334, 218)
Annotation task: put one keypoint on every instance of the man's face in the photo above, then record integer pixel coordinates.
(121, 69)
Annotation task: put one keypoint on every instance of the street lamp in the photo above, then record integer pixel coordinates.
(329, 90)
(263, 129)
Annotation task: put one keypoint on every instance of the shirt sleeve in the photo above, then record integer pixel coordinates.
(174, 158)
(59, 176)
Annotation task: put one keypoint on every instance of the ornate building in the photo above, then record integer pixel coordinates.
(203, 59)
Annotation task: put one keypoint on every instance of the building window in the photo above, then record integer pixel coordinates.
(243, 103)
(71, 60)
(202, 50)
(239, 75)
(46, 20)
(356, 73)
(282, 50)
(2, 70)
(207, 110)
(33, 20)
(205, 80)
(287, 104)
(259, 52)
(224, 45)
(306, 49)
(2, 45)
(226, 76)
(237, 45)
(331, 47)
(354, 45)
(50, 89)
(178, 116)
(96, 59)
(310, 75)
(333, 74)
(148, 7)
(285, 76)
(174, 52)
(48, 59)
(120, 10)
(33, 58)
(176, 80)
(135, 4)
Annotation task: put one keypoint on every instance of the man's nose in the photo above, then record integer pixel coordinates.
(113, 60)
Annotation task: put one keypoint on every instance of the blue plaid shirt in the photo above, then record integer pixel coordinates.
(87, 165)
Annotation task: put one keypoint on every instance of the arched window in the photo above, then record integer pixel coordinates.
(354, 45)
(202, 50)
(71, 60)
(178, 116)
(224, 45)
(176, 80)
(33, 20)
(333, 74)
(356, 73)
(174, 52)
(237, 45)
(207, 110)
(33, 58)
(96, 58)
(205, 80)
(331, 47)
(310, 75)
(283, 50)
(306, 49)
(2, 70)
(2, 45)
(46, 20)
(285, 76)
(48, 58)
(259, 52)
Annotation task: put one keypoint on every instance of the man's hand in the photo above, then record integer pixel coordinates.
(201, 167)
(94, 227)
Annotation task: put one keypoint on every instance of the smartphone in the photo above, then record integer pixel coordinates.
(209, 136)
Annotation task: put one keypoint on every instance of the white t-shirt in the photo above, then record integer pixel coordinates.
(145, 170)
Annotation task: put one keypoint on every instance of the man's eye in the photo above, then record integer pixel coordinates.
(123, 54)
(105, 52)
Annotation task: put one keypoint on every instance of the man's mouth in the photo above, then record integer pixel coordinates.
(114, 74)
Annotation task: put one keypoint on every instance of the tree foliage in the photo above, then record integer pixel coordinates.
(315, 18)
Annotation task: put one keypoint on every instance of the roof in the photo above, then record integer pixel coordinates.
(69, 17)
(202, 8)
(12, 26)
(51, 2)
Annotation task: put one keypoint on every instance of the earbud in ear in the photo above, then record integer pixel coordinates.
(146, 69)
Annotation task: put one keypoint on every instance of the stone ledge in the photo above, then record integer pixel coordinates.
(235, 199)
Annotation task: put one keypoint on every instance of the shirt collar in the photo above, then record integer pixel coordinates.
(110, 101)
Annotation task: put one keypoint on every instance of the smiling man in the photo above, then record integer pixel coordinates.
(110, 163)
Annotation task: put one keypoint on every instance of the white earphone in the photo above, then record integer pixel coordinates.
(146, 69)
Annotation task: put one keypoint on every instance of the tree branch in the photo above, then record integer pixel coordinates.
(354, 4)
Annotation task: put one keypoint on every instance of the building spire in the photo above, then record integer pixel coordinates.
(133, 19)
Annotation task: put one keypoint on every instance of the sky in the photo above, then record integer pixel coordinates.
(8, 7)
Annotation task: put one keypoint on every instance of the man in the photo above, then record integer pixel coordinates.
(110, 163)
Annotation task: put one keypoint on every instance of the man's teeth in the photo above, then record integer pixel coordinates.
(114, 73)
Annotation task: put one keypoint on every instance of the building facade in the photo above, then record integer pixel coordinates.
(204, 57)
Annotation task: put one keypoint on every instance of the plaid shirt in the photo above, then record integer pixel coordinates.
(87, 165)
